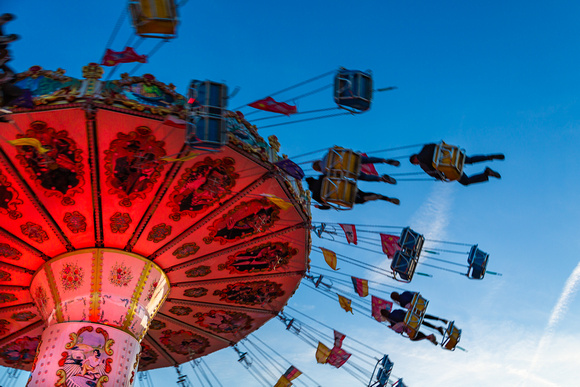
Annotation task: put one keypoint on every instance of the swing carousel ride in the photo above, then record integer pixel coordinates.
(144, 229)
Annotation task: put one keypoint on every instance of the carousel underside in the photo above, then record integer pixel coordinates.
(109, 224)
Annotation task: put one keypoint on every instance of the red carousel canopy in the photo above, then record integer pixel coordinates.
(104, 202)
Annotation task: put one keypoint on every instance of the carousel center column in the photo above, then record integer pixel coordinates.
(97, 305)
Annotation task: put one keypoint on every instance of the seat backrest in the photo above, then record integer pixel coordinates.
(338, 191)
(448, 160)
(341, 162)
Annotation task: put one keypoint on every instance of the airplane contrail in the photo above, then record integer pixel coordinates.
(559, 310)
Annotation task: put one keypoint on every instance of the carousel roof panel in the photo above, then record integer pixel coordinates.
(268, 292)
(277, 253)
(175, 342)
(17, 350)
(199, 190)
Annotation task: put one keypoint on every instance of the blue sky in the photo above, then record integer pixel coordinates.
(489, 76)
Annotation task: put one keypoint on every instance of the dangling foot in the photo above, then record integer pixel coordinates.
(390, 200)
(499, 156)
(392, 162)
(441, 330)
(492, 173)
(443, 320)
(388, 179)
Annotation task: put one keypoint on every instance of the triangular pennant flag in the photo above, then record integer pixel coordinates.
(361, 286)
(377, 305)
(270, 105)
(128, 55)
(283, 382)
(322, 353)
(350, 232)
(345, 303)
(337, 357)
(329, 257)
(284, 205)
(184, 158)
(175, 122)
(33, 142)
(368, 169)
(390, 244)
(292, 373)
(338, 339)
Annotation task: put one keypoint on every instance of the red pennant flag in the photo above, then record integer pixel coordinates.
(175, 122)
(337, 357)
(368, 169)
(378, 304)
(361, 286)
(270, 105)
(128, 55)
(338, 339)
(390, 244)
(350, 232)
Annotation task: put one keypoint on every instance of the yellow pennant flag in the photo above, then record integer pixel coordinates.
(185, 158)
(33, 142)
(322, 353)
(283, 204)
(345, 303)
(283, 382)
(329, 257)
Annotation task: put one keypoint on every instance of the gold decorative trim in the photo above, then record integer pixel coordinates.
(54, 291)
(96, 286)
(137, 294)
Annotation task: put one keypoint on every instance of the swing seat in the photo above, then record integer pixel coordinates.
(338, 191)
(415, 314)
(341, 162)
(206, 125)
(403, 265)
(154, 18)
(411, 242)
(451, 337)
(448, 160)
(353, 90)
(477, 261)
(419, 304)
(399, 383)
(385, 371)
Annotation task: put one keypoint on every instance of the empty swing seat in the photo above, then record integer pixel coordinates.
(403, 265)
(384, 371)
(338, 191)
(206, 124)
(341, 162)
(477, 261)
(448, 160)
(353, 90)
(451, 337)
(411, 241)
(154, 18)
(415, 314)
(399, 383)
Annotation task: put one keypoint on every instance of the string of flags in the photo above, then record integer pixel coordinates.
(389, 243)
